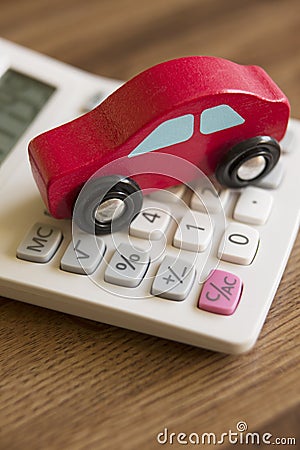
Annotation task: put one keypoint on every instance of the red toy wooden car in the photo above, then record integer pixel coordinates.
(222, 117)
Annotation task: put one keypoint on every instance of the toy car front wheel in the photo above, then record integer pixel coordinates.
(248, 162)
(107, 204)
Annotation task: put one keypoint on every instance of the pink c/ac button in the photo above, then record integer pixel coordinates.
(221, 293)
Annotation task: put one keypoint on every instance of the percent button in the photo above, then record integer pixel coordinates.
(127, 266)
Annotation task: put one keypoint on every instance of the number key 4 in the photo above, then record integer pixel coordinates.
(151, 223)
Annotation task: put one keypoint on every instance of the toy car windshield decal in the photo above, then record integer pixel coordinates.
(168, 133)
(180, 129)
(223, 118)
(219, 118)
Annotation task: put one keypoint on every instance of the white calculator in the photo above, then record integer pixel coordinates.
(199, 266)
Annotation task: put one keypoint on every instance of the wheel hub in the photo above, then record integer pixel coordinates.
(251, 168)
(109, 210)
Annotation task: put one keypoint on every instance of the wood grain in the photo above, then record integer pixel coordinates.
(68, 383)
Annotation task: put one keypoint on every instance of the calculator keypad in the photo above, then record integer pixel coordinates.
(194, 233)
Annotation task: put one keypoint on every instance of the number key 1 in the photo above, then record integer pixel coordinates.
(194, 232)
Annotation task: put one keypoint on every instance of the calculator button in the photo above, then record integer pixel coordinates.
(253, 206)
(83, 255)
(221, 293)
(151, 223)
(93, 101)
(273, 179)
(288, 142)
(40, 244)
(208, 199)
(194, 232)
(127, 266)
(174, 279)
(170, 195)
(239, 244)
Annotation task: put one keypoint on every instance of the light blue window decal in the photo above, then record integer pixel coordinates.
(219, 118)
(168, 133)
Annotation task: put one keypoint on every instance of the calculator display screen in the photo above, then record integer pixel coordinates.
(21, 98)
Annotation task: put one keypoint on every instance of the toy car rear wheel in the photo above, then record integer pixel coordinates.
(107, 204)
(248, 162)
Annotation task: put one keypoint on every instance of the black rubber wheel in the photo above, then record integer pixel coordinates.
(262, 149)
(102, 190)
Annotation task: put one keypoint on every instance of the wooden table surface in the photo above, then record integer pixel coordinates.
(68, 383)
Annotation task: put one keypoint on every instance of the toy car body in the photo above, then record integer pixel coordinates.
(199, 108)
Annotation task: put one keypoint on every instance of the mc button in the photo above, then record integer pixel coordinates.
(221, 293)
(40, 243)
